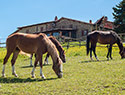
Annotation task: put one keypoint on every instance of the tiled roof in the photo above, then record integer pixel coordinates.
(35, 24)
(99, 21)
(107, 24)
(52, 22)
(74, 20)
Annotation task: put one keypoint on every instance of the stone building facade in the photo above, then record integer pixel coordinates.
(65, 27)
(62, 27)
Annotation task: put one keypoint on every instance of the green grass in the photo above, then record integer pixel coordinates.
(81, 75)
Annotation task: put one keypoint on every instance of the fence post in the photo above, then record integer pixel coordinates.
(68, 44)
(79, 43)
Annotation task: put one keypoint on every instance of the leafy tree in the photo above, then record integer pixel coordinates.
(119, 16)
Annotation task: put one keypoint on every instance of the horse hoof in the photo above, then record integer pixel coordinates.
(16, 75)
(3, 76)
(33, 77)
(45, 63)
(91, 58)
(43, 77)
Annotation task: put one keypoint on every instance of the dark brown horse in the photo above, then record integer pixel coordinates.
(33, 44)
(104, 37)
(59, 48)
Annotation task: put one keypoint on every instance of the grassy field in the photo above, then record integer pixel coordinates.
(81, 75)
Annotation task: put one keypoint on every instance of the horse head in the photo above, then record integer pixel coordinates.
(57, 67)
(122, 53)
(62, 56)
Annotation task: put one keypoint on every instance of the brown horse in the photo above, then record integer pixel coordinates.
(33, 44)
(104, 37)
(59, 48)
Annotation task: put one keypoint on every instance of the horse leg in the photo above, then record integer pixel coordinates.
(37, 57)
(110, 50)
(91, 53)
(94, 51)
(5, 61)
(35, 64)
(41, 65)
(31, 60)
(46, 59)
(15, 54)
(108, 53)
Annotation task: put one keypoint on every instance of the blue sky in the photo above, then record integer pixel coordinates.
(17, 13)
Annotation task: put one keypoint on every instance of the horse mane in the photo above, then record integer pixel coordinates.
(52, 50)
(56, 42)
(118, 40)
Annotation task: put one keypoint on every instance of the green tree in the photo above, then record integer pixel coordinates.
(119, 16)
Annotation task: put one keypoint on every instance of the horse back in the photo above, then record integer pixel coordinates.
(103, 37)
(29, 43)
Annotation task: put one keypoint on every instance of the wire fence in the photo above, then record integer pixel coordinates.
(2, 42)
(67, 41)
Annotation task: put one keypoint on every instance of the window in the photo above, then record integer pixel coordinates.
(41, 29)
(71, 26)
(63, 26)
(37, 30)
(27, 31)
(53, 25)
(56, 34)
(48, 34)
(82, 32)
(65, 33)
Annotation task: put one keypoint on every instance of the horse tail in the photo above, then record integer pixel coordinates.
(87, 44)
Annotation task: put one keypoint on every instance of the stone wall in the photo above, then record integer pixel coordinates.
(79, 26)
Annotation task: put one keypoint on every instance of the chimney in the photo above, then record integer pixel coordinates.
(56, 18)
(105, 18)
(90, 21)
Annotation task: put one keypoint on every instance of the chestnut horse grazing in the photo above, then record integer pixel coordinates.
(59, 48)
(33, 44)
(104, 37)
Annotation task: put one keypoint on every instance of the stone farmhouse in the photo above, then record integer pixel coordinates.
(104, 24)
(67, 27)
